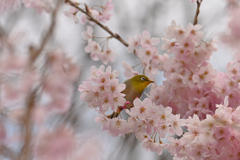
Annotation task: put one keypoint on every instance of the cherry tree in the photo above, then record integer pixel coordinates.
(196, 107)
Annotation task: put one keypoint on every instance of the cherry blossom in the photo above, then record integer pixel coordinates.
(193, 96)
(105, 15)
(63, 65)
(58, 84)
(118, 127)
(145, 48)
(133, 43)
(129, 71)
(105, 93)
(8, 5)
(147, 40)
(102, 16)
(72, 13)
(105, 54)
(108, 55)
(213, 132)
(176, 125)
(191, 90)
(58, 144)
(93, 48)
(39, 5)
(94, 13)
(140, 108)
(194, 32)
(87, 35)
(89, 149)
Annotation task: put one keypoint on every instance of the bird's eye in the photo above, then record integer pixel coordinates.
(143, 78)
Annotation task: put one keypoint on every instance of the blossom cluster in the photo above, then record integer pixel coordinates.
(39, 5)
(190, 86)
(62, 143)
(96, 52)
(193, 95)
(102, 15)
(192, 90)
(233, 38)
(58, 84)
(149, 123)
(103, 91)
(19, 80)
(215, 138)
(144, 47)
(197, 87)
(48, 86)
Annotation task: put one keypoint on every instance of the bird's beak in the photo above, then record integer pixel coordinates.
(151, 81)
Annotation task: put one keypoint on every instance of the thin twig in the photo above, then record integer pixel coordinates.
(115, 35)
(197, 12)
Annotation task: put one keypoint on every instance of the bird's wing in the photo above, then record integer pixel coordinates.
(130, 92)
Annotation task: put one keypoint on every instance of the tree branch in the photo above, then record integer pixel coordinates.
(30, 103)
(28, 124)
(115, 35)
(5, 151)
(36, 52)
(199, 2)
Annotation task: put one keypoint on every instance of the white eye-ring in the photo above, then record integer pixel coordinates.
(143, 78)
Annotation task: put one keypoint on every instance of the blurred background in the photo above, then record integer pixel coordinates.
(26, 28)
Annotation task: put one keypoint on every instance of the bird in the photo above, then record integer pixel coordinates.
(134, 89)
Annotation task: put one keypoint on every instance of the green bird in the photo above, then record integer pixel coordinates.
(134, 89)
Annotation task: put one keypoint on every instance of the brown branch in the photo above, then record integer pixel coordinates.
(36, 52)
(2, 33)
(5, 151)
(28, 124)
(30, 103)
(115, 35)
(197, 12)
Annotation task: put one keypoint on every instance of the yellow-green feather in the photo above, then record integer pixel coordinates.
(135, 87)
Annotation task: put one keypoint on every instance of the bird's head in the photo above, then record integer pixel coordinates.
(140, 82)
